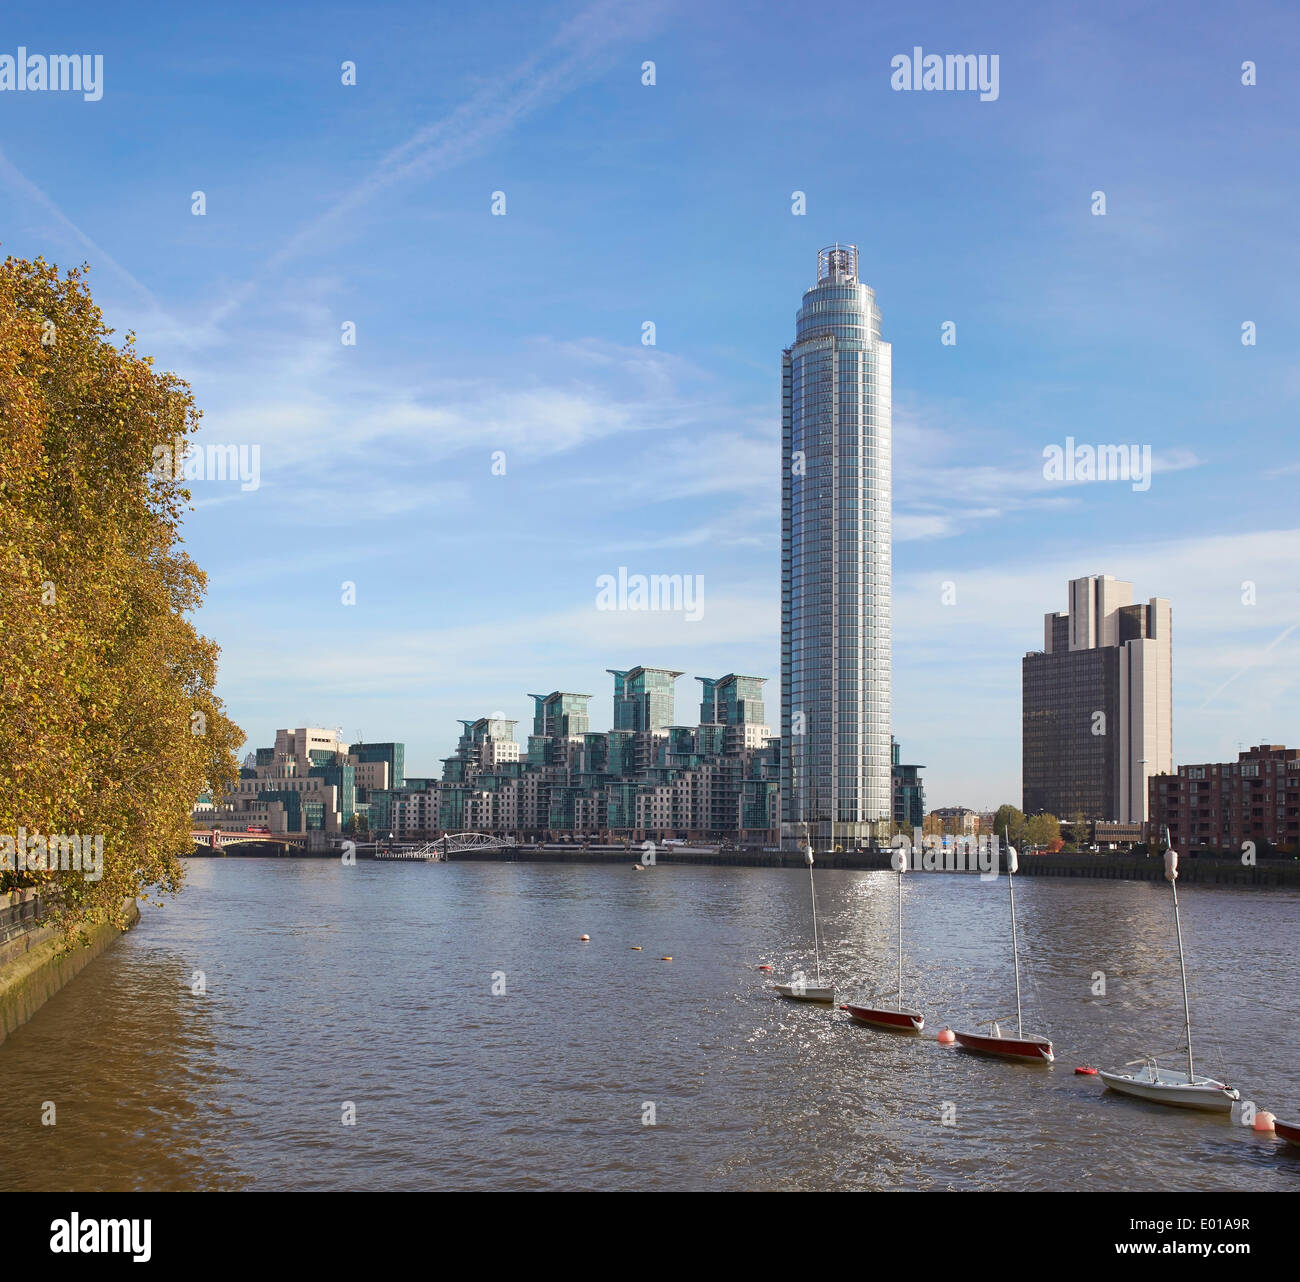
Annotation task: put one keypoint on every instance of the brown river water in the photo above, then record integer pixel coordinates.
(374, 986)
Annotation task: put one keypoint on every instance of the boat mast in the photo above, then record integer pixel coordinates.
(1015, 947)
(1171, 871)
(812, 892)
(900, 932)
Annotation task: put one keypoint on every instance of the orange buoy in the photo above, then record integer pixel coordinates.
(946, 1037)
(584, 938)
(1264, 1123)
(1084, 1071)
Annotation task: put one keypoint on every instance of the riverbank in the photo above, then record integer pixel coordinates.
(33, 965)
(1121, 867)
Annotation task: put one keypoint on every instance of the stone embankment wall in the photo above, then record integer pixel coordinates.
(1198, 869)
(33, 965)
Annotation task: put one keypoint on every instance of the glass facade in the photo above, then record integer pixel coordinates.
(342, 777)
(732, 700)
(560, 713)
(909, 792)
(393, 753)
(836, 518)
(644, 698)
(301, 815)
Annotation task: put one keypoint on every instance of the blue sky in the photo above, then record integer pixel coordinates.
(671, 203)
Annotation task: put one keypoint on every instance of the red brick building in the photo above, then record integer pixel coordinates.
(1220, 806)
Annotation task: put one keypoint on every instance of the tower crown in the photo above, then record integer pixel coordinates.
(838, 263)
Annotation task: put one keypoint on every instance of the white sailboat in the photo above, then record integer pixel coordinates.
(895, 1017)
(1148, 1080)
(799, 988)
(1032, 1047)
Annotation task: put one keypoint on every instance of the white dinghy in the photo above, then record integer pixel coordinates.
(1170, 1086)
(799, 988)
(1147, 1080)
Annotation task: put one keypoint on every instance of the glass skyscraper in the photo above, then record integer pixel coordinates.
(836, 413)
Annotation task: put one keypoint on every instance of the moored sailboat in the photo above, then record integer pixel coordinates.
(799, 988)
(895, 1017)
(1149, 1081)
(1165, 1085)
(1030, 1047)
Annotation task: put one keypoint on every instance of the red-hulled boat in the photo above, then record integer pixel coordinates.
(1289, 1131)
(905, 1021)
(1032, 1047)
(900, 1020)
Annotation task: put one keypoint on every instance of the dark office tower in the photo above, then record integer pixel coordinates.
(835, 562)
(1096, 705)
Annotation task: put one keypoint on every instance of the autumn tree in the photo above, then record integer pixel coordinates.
(1009, 825)
(109, 724)
(1042, 830)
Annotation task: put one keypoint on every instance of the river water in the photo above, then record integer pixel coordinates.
(374, 986)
